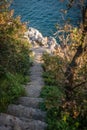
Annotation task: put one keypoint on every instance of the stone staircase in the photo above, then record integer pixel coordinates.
(25, 114)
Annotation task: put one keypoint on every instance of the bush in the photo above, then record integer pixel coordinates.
(61, 114)
(14, 56)
(10, 89)
(57, 117)
(53, 68)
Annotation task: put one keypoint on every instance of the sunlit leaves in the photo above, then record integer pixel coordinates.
(14, 55)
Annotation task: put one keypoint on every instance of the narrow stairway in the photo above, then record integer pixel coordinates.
(26, 115)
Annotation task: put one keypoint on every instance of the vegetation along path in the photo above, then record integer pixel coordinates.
(26, 115)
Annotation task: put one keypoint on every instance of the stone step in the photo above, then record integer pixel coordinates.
(30, 102)
(28, 112)
(36, 77)
(9, 122)
(5, 128)
(35, 69)
(38, 73)
(36, 66)
(34, 89)
(36, 83)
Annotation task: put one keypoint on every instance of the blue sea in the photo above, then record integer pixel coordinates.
(45, 14)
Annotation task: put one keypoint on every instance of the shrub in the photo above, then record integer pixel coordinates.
(53, 68)
(62, 114)
(10, 89)
(14, 56)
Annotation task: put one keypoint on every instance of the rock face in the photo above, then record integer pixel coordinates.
(36, 38)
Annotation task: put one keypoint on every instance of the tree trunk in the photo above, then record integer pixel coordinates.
(69, 74)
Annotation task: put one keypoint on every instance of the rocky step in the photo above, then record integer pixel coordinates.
(35, 83)
(5, 128)
(36, 78)
(36, 65)
(34, 90)
(39, 72)
(9, 122)
(36, 69)
(36, 73)
(30, 102)
(28, 112)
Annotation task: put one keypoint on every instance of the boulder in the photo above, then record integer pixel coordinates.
(34, 36)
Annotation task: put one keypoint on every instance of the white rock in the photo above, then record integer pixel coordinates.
(52, 43)
(36, 38)
(45, 41)
(35, 35)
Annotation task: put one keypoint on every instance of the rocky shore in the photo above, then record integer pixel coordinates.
(36, 38)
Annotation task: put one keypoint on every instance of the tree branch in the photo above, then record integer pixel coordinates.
(84, 82)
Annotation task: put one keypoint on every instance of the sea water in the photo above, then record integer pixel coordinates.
(45, 14)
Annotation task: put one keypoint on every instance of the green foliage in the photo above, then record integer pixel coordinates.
(61, 114)
(57, 118)
(10, 89)
(52, 94)
(14, 56)
(22, 79)
(49, 78)
(53, 69)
